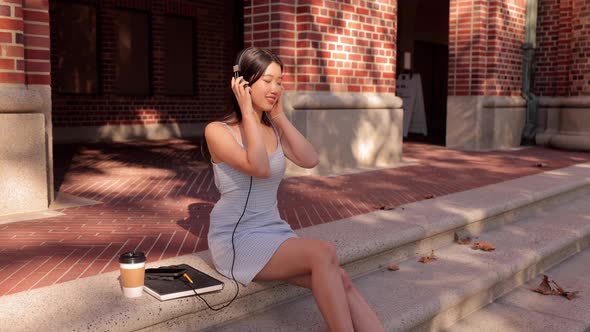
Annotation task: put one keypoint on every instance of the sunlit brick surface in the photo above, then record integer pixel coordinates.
(156, 197)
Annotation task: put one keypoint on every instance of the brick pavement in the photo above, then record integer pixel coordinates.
(156, 197)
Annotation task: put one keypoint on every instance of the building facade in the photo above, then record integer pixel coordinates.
(86, 70)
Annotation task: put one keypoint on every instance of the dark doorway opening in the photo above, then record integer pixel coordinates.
(423, 35)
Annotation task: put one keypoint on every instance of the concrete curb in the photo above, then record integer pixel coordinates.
(96, 303)
(430, 297)
(503, 281)
(522, 310)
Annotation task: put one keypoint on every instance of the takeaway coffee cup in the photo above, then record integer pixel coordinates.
(132, 265)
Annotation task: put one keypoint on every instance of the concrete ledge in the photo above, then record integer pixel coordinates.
(64, 201)
(573, 102)
(571, 273)
(431, 297)
(532, 256)
(96, 303)
(121, 133)
(335, 100)
(502, 101)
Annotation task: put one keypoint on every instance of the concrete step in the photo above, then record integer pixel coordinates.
(430, 297)
(523, 310)
(365, 244)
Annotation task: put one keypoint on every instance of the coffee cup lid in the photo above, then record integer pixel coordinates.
(132, 257)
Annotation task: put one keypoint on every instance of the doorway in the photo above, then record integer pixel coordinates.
(423, 32)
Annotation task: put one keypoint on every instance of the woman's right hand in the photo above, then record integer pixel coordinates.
(241, 90)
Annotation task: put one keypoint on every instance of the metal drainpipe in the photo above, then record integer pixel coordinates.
(530, 128)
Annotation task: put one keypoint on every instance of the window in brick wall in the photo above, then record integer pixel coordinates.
(132, 65)
(179, 60)
(74, 48)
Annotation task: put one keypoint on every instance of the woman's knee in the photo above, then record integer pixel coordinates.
(326, 253)
(346, 281)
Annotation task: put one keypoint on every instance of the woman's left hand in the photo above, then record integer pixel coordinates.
(277, 109)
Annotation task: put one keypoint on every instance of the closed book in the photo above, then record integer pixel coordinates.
(172, 289)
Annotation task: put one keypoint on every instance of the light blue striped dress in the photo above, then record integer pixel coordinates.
(261, 230)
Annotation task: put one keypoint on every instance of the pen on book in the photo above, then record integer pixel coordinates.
(188, 278)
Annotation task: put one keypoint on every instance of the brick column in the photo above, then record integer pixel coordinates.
(273, 25)
(26, 174)
(328, 45)
(37, 44)
(340, 69)
(564, 74)
(12, 39)
(580, 31)
(553, 54)
(485, 47)
(485, 110)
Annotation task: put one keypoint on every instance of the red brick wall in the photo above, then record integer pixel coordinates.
(554, 53)
(485, 47)
(580, 70)
(328, 45)
(216, 41)
(563, 48)
(24, 42)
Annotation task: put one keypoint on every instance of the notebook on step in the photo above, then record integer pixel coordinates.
(172, 289)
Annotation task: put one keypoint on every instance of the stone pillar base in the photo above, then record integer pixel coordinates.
(351, 131)
(26, 157)
(484, 123)
(564, 122)
(23, 167)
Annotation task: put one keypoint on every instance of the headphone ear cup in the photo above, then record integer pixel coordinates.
(239, 59)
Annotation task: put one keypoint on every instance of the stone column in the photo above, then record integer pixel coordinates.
(26, 173)
(563, 80)
(564, 122)
(351, 132)
(485, 110)
(339, 76)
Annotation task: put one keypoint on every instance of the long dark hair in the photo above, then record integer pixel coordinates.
(252, 61)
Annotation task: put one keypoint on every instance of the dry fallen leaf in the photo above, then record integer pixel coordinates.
(546, 289)
(462, 238)
(427, 259)
(485, 246)
(393, 267)
(561, 291)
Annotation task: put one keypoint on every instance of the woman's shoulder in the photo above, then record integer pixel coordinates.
(219, 133)
(217, 125)
(214, 127)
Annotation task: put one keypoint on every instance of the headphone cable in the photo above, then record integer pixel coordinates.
(232, 262)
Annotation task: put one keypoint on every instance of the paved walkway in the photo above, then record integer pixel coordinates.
(156, 197)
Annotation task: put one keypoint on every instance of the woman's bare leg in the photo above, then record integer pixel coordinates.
(316, 259)
(363, 316)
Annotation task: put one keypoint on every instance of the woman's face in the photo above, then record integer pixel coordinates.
(266, 91)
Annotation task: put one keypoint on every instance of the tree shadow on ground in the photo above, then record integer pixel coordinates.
(175, 155)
